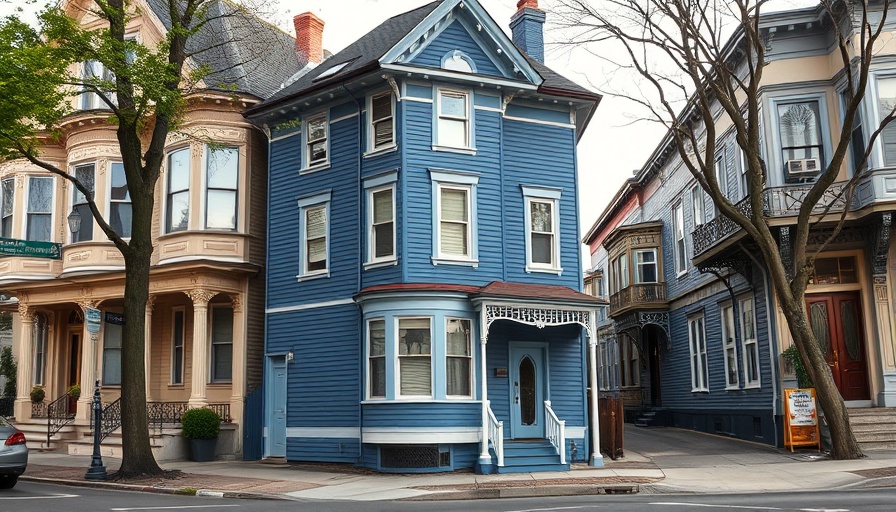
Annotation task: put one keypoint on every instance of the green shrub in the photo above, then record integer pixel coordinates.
(200, 423)
(792, 357)
(75, 391)
(37, 394)
(8, 370)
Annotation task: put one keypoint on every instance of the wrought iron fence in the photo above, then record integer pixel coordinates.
(111, 419)
(161, 414)
(642, 293)
(38, 410)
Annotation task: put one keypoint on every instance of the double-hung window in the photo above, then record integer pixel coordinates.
(415, 357)
(542, 229)
(39, 217)
(94, 76)
(222, 343)
(177, 347)
(381, 122)
(376, 356)
(646, 271)
(630, 367)
(381, 223)
(314, 230)
(750, 345)
(799, 127)
(222, 180)
(7, 206)
(86, 175)
(459, 358)
(120, 211)
(681, 256)
(697, 205)
(886, 101)
(620, 272)
(317, 129)
(729, 345)
(699, 362)
(454, 221)
(453, 122)
(177, 213)
(112, 334)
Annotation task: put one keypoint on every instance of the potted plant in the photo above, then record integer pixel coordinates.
(201, 426)
(74, 393)
(37, 394)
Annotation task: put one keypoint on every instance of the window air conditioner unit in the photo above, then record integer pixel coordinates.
(800, 168)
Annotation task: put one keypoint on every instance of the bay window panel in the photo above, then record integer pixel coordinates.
(86, 175)
(178, 214)
(222, 181)
(221, 209)
(120, 210)
(376, 352)
(886, 91)
(414, 356)
(7, 198)
(40, 208)
(459, 360)
(416, 376)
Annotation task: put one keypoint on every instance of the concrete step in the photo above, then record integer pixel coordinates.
(877, 412)
(883, 436)
(872, 427)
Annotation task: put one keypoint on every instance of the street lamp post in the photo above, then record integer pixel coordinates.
(97, 471)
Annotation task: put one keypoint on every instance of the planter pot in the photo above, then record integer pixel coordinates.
(202, 450)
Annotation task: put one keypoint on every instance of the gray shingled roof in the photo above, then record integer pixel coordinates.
(242, 51)
(364, 54)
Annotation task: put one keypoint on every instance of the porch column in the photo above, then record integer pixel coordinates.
(199, 373)
(147, 346)
(238, 371)
(24, 352)
(485, 459)
(597, 459)
(89, 374)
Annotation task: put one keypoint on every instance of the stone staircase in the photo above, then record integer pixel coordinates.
(646, 418)
(531, 456)
(874, 427)
(35, 431)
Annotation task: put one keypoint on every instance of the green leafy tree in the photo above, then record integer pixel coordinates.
(8, 370)
(145, 91)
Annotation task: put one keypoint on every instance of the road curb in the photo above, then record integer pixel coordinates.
(528, 492)
(178, 491)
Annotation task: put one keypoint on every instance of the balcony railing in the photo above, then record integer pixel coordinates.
(638, 294)
(784, 201)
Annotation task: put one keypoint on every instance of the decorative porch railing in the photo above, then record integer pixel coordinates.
(642, 293)
(160, 414)
(496, 434)
(58, 415)
(555, 429)
(783, 201)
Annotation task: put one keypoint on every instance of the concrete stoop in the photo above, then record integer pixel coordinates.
(874, 427)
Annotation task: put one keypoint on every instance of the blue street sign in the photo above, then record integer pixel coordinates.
(93, 319)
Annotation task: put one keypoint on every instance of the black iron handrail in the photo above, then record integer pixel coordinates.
(58, 415)
(111, 419)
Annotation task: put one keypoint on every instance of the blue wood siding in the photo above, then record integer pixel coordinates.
(283, 220)
(315, 449)
(422, 414)
(322, 379)
(548, 163)
(456, 37)
(464, 455)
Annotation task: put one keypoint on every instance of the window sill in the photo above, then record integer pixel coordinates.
(314, 168)
(176, 386)
(752, 386)
(540, 270)
(370, 265)
(459, 262)
(378, 401)
(451, 149)
(732, 388)
(700, 391)
(379, 151)
(309, 277)
(681, 274)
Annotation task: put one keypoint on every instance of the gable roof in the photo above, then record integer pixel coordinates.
(241, 51)
(366, 53)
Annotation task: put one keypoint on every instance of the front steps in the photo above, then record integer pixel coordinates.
(530, 456)
(874, 427)
(646, 418)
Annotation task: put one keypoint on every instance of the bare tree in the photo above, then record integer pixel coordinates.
(694, 58)
(146, 91)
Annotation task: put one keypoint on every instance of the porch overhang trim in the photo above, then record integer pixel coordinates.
(537, 316)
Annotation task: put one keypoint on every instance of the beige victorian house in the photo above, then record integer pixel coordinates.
(205, 316)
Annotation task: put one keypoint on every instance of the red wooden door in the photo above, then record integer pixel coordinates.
(836, 320)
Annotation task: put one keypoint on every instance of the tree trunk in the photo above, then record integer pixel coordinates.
(843, 441)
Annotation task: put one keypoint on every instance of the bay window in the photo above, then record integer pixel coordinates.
(7, 206)
(222, 179)
(39, 216)
(459, 360)
(376, 356)
(86, 174)
(120, 210)
(178, 196)
(415, 357)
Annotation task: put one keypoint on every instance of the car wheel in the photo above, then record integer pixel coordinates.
(8, 482)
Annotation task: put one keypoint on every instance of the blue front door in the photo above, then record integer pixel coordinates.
(276, 407)
(527, 393)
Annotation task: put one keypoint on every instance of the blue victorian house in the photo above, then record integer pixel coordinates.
(423, 271)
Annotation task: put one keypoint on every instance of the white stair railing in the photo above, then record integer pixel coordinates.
(496, 434)
(556, 431)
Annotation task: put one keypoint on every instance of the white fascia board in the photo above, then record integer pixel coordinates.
(513, 85)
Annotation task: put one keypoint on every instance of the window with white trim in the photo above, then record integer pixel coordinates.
(681, 256)
(177, 200)
(314, 234)
(112, 334)
(542, 219)
(729, 345)
(453, 124)
(415, 357)
(221, 334)
(39, 216)
(697, 205)
(454, 221)
(699, 361)
(381, 121)
(317, 129)
(376, 358)
(93, 74)
(86, 174)
(381, 224)
(646, 271)
(886, 101)
(750, 344)
(222, 171)
(800, 135)
(120, 210)
(177, 346)
(7, 206)
(458, 357)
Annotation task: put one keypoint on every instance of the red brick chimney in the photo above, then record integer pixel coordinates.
(522, 4)
(309, 38)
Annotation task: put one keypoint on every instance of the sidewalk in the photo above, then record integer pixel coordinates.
(666, 461)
